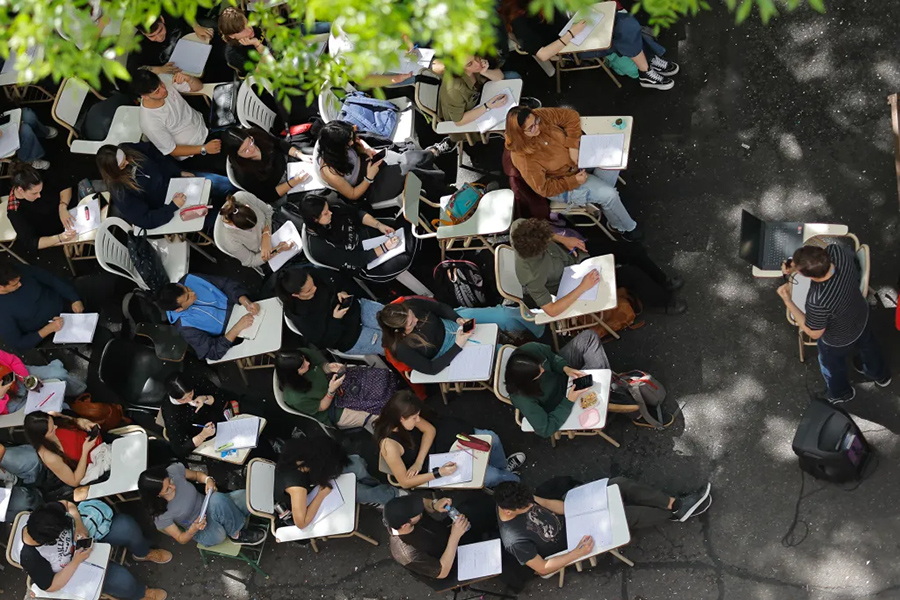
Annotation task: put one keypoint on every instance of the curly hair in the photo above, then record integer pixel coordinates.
(531, 237)
(512, 495)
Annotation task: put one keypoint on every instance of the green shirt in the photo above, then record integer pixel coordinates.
(548, 412)
(458, 95)
(308, 402)
(540, 275)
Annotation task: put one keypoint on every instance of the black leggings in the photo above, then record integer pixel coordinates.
(638, 272)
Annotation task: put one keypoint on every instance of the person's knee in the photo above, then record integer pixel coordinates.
(601, 193)
(627, 27)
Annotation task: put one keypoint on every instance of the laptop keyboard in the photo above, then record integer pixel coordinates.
(779, 239)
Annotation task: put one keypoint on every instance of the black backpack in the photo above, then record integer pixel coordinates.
(460, 283)
(146, 261)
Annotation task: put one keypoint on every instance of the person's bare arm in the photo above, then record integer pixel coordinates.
(545, 566)
(428, 435)
(561, 305)
(799, 316)
(183, 537)
(340, 185)
(457, 530)
(390, 450)
(555, 506)
(302, 514)
(65, 473)
(186, 151)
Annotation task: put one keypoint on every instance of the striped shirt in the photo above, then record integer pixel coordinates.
(837, 305)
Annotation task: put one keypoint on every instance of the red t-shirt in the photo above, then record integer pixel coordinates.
(72, 440)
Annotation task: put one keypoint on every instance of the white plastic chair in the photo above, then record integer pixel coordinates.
(73, 92)
(250, 108)
(261, 489)
(507, 281)
(8, 233)
(229, 170)
(112, 255)
(218, 232)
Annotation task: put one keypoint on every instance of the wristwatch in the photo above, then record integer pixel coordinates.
(203, 150)
(436, 472)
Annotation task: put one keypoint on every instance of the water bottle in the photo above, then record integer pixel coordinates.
(284, 514)
(454, 515)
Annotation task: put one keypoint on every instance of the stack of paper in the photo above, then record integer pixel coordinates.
(377, 241)
(587, 513)
(464, 464)
(237, 434)
(249, 333)
(48, 399)
(333, 501)
(482, 559)
(314, 182)
(602, 150)
(571, 279)
(591, 18)
(413, 62)
(286, 233)
(495, 116)
(191, 187)
(472, 364)
(86, 217)
(205, 504)
(78, 328)
(190, 56)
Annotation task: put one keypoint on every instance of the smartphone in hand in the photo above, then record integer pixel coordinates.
(347, 301)
(583, 383)
(378, 156)
(94, 432)
(84, 543)
(468, 326)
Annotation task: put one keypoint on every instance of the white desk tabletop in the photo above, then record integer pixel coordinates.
(15, 117)
(607, 125)
(493, 215)
(606, 297)
(479, 468)
(485, 334)
(129, 460)
(602, 378)
(177, 224)
(618, 520)
(99, 557)
(601, 37)
(90, 236)
(268, 338)
(12, 77)
(810, 230)
(341, 521)
(208, 448)
(16, 419)
(491, 89)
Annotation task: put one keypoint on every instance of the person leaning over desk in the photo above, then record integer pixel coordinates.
(190, 415)
(38, 208)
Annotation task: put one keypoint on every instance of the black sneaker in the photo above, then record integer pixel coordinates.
(691, 503)
(652, 79)
(666, 68)
(445, 146)
(846, 397)
(857, 366)
(674, 283)
(514, 461)
(635, 235)
(705, 507)
(249, 537)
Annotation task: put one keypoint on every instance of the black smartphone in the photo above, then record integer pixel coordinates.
(346, 302)
(84, 543)
(379, 155)
(4, 119)
(94, 432)
(583, 383)
(468, 326)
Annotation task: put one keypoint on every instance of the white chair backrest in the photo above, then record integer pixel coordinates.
(427, 94)
(862, 255)
(218, 232)
(317, 166)
(329, 103)
(14, 551)
(507, 281)
(250, 108)
(7, 231)
(113, 255)
(279, 394)
(502, 360)
(69, 100)
(229, 170)
(261, 486)
(308, 253)
(412, 190)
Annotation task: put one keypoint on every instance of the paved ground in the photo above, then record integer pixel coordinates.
(807, 95)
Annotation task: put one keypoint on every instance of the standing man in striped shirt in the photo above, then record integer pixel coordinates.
(837, 316)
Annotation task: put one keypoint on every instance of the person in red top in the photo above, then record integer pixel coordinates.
(63, 444)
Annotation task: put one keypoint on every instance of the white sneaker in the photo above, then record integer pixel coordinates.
(52, 132)
(40, 164)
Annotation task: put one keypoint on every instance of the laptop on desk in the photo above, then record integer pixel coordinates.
(767, 245)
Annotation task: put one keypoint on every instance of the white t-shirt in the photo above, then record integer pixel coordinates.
(174, 123)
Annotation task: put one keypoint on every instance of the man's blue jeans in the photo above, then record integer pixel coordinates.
(119, 581)
(496, 472)
(225, 515)
(31, 131)
(833, 362)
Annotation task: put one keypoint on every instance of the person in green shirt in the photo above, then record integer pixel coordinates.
(459, 98)
(537, 379)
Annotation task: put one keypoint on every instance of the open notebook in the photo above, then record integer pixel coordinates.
(587, 513)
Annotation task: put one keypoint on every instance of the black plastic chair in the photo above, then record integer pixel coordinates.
(135, 374)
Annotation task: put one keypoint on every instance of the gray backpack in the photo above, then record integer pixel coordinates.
(645, 391)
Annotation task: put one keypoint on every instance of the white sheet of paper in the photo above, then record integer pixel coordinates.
(420, 58)
(286, 233)
(313, 183)
(800, 290)
(190, 56)
(249, 333)
(9, 142)
(331, 503)
(587, 513)
(482, 559)
(51, 395)
(5, 495)
(495, 116)
(205, 505)
(591, 18)
(86, 217)
(85, 582)
(191, 187)
(601, 150)
(463, 471)
(572, 276)
(376, 241)
(78, 328)
(241, 433)
(471, 360)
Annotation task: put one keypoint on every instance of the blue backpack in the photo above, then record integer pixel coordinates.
(370, 115)
(462, 205)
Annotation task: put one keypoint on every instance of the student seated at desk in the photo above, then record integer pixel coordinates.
(312, 301)
(185, 411)
(544, 144)
(335, 394)
(405, 439)
(39, 210)
(64, 444)
(12, 371)
(259, 162)
(306, 463)
(21, 468)
(343, 160)
(247, 234)
(533, 528)
(460, 98)
(538, 35)
(427, 335)
(542, 256)
(50, 558)
(199, 307)
(172, 499)
(31, 300)
(159, 41)
(31, 131)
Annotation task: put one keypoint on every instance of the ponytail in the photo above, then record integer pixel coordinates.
(240, 215)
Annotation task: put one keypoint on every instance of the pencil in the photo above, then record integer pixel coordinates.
(46, 399)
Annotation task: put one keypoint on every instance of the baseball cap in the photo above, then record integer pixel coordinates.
(400, 511)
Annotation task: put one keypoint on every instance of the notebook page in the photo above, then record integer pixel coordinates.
(237, 433)
(571, 279)
(191, 187)
(482, 559)
(601, 150)
(78, 328)
(286, 233)
(464, 464)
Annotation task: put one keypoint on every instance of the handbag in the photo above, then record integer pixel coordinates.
(461, 205)
(97, 517)
(193, 212)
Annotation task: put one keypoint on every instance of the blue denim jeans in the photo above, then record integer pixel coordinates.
(125, 531)
(496, 471)
(507, 318)
(31, 131)
(368, 489)
(23, 462)
(54, 370)
(225, 516)
(597, 190)
(369, 340)
(833, 362)
(121, 584)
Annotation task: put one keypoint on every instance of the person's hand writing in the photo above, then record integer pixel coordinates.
(585, 546)
(55, 324)
(251, 307)
(447, 469)
(373, 168)
(392, 242)
(208, 431)
(581, 176)
(578, 28)
(282, 246)
(589, 280)
(77, 307)
(179, 199)
(244, 322)
(784, 290)
(497, 101)
(459, 527)
(214, 147)
(462, 337)
(442, 505)
(65, 218)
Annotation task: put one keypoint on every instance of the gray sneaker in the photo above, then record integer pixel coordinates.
(249, 537)
(40, 164)
(691, 503)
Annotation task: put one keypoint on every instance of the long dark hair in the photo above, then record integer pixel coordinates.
(289, 282)
(114, 177)
(311, 208)
(235, 136)
(177, 387)
(286, 364)
(522, 375)
(323, 456)
(392, 319)
(24, 176)
(150, 484)
(334, 142)
(402, 405)
(37, 424)
(238, 214)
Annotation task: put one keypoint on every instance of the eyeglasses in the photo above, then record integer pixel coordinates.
(249, 146)
(533, 127)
